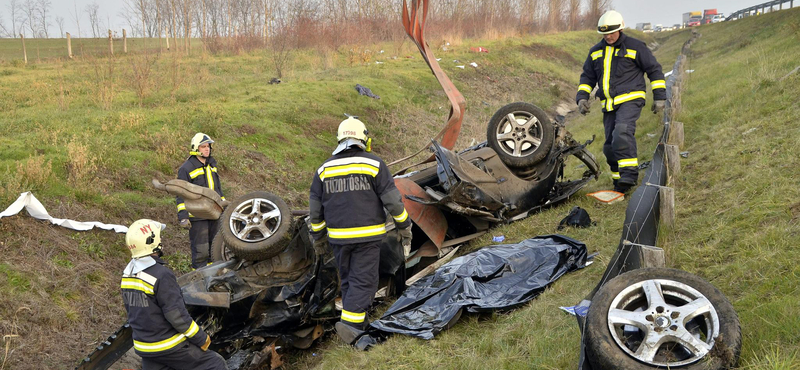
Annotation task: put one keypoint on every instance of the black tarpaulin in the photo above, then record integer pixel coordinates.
(496, 277)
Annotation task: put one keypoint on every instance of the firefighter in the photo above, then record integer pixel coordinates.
(347, 199)
(617, 65)
(164, 335)
(199, 169)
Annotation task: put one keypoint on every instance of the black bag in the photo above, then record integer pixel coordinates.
(577, 217)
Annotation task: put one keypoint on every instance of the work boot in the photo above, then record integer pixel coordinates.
(348, 333)
(622, 187)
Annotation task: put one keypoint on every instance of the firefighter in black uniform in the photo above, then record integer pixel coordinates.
(199, 169)
(164, 334)
(617, 65)
(348, 195)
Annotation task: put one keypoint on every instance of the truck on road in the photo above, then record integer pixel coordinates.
(691, 19)
(708, 15)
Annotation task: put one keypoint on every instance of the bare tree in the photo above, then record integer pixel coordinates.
(76, 16)
(43, 9)
(3, 29)
(14, 8)
(60, 23)
(574, 14)
(30, 12)
(595, 10)
(94, 20)
(555, 9)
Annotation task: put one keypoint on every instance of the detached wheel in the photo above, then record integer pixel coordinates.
(659, 318)
(220, 251)
(256, 226)
(521, 134)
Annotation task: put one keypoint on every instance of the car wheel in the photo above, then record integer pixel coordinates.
(521, 134)
(220, 251)
(255, 226)
(661, 318)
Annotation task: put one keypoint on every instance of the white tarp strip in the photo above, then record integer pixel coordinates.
(36, 210)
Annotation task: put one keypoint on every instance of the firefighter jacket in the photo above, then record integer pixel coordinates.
(201, 174)
(348, 195)
(156, 311)
(618, 71)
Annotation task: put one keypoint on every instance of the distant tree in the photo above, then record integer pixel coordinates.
(595, 10)
(60, 23)
(94, 19)
(574, 11)
(30, 12)
(3, 30)
(43, 9)
(555, 9)
(76, 16)
(14, 9)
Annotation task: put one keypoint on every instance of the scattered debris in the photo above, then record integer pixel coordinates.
(689, 70)
(366, 92)
(607, 196)
(479, 49)
(651, 135)
(684, 154)
(275, 81)
(462, 67)
(499, 238)
(665, 75)
(644, 165)
(36, 210)
(377, 62)
(750, 131)
(474, 64)
(577, 217)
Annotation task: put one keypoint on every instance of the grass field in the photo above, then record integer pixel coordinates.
(86, 137)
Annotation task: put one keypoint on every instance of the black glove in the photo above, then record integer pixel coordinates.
(186, 224)
(583, 106)
(321, 245)
(405, 240)
(658, 106)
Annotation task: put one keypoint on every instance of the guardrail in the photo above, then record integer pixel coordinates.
(753, 10)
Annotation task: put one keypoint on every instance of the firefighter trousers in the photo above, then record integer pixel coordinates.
(620, 145)
(358, 272)
(200, 235)
(188, 357)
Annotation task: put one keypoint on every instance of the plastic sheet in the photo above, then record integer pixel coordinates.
(496, 277)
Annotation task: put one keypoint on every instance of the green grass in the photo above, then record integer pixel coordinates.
(77, 135)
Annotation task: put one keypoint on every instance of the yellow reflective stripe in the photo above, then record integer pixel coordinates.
(619, 99)
(350, 160)
(607, 78)
(210, 178)
(403, 216)
(213, 169)
(631, 54)
(223, 198)
(350, 169)
(658, 84)
(193, 329)
(585, 87)
(136, 284)
(159, 346)
(355, 317)
(356, 232)
(628, 162)
(317, 227)
(182, 207)
(615, 175)
(196, 173)
(597, 54)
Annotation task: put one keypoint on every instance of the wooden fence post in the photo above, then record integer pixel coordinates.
(69, 45)
(673, 156)
(24, 52)
(124, 41)
(666, 206)
(167, 38)
(110, 43)
(676, 134)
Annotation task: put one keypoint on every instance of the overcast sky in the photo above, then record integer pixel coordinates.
(634, 11)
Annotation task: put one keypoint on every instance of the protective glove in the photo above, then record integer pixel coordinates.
(321, 245)
(405, 240)
(583, 106)
(186, 224)
(206, 344)
(658, 106)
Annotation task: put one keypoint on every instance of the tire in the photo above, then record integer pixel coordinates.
(219, 250)
(616, 341)
(523, 140)
(249, 234)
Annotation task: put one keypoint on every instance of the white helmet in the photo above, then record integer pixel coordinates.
(199, 139)
(352, 127)
(143, 238)
(610, 22)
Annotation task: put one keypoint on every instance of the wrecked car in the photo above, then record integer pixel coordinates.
(268, 286)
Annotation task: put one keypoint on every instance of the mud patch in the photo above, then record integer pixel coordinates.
(549, 52)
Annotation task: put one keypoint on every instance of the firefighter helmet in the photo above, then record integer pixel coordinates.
(610, 22)
(143, 238)
(352, 127)
(199, 139)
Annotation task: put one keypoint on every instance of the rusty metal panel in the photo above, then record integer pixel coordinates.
(428, 218)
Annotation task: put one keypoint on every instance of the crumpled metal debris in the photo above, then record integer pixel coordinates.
(496, 277)
(366, 92)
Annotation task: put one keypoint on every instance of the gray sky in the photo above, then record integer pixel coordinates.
(662, 12)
